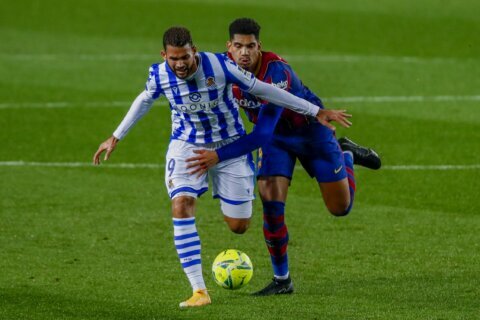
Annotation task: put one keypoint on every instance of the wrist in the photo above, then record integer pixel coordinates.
(320, 112)
(219, 154)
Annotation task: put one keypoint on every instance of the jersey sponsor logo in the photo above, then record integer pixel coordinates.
(210, 83)
(281, 84)
(247, 103)
(195, 96)
(195, 107)
(336, 171)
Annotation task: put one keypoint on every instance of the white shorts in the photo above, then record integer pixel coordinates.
(232, 180)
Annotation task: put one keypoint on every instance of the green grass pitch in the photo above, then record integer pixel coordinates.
(96, 243)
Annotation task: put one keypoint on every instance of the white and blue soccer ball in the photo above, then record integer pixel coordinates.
(232, 269)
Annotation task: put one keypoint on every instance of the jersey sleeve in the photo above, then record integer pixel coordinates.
(153, 87)
(283, 98)
(142, 104)
(261, 134)
(236, 75)
(312, 97)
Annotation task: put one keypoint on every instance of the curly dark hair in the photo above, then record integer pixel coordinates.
(177, 37)
(244, 26)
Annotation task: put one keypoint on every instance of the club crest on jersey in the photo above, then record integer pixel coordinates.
(170, 184)
(175, 89)
(210, 83)
(195, 96)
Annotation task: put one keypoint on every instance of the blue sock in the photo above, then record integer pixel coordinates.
(276, 236)
(348, 156)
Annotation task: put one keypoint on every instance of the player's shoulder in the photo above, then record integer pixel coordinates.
(156, 67)
(213, 56)
(268, 56)
(272, 63)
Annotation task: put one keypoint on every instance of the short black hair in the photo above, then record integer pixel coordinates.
(177, 37)
(244, 26)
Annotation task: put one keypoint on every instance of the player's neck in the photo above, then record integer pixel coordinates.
(194, 68)
(255, 69)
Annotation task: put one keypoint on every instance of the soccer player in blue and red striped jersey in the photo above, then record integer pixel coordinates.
(285, 136)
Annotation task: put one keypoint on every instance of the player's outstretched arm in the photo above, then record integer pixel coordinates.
(261, 134)
(287, 100)
(108, 146)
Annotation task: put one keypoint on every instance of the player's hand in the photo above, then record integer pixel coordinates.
(325, 116)
(204, 160)
(108, 145)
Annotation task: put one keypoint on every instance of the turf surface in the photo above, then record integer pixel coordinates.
(96, 243)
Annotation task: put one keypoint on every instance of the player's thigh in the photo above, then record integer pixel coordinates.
(233, 180)
(275, 165)
(178, 179)
(331, 175)
(275, 161)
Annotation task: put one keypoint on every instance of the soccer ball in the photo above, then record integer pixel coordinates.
(232, 269)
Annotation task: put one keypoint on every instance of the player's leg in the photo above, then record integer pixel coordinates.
(237, 216)
(275, 168)
(334, 172)
(183, 189)
(339, 195)
(363, 156)
(233, 184)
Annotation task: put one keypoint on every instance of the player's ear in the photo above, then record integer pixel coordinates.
(259, 45)
(164, 55)
(229, 44)
(194, 49)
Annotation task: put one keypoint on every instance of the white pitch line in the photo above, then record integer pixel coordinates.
(382, 99)
(342, 58)
(80, 165)
(432, 167)
(70, 104)
(160, 166)
(357, 99)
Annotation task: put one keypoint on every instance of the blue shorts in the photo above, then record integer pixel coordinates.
(314, 145)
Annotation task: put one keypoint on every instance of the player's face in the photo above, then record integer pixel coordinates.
(181, 60)
(245, 50)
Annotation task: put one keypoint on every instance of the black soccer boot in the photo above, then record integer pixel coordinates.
(363, 156)
(277, 286)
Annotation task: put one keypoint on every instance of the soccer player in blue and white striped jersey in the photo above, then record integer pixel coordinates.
(198, 86)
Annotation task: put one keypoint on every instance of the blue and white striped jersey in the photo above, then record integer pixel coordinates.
(202, 106)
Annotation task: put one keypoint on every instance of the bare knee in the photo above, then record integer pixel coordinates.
(339, 209)
(183, 207)
(238, 226)
(336, 196)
